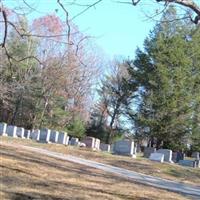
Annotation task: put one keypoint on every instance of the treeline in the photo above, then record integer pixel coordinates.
(158, 93)
(46, 75)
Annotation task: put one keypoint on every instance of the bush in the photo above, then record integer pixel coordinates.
(77, 128)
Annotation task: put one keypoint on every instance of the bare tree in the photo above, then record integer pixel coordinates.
(189, 4)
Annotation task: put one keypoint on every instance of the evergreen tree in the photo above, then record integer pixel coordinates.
(165, 74)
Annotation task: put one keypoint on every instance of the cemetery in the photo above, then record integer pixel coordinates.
(125, 147)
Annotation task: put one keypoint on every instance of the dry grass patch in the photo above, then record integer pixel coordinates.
(27, 175)
(141, 165)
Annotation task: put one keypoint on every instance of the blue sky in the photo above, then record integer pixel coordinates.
(117, 28)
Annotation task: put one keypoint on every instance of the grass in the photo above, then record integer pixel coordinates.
(28, 176)
(141, 165)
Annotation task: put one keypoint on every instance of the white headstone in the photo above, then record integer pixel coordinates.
(74, 141)
(11, 131)
(44, 135)
(159, 157)
(124, 147)
(35, 134)
(89, 142)
(97, 144)
(27, 133)
(3, 127)
(20, 132)
(67, 140)
(105, 147)
(62, 137)
(54, 136)
(167, 154)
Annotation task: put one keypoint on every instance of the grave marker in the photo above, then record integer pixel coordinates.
(11, 130)
(35, 134)
(3, 127)
(124, 147)
(89, 142)
(148, 151)
(20, 132)
(62, 138)
(158, 157)
(187, 163)
(54, 136)
(105, 147)
(167, 154)
(44, 135)
(74, 141)
(195, 155)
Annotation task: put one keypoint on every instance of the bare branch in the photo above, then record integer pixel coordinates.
(186, 3)
(67, 20)
(5, 27)
(83, 11)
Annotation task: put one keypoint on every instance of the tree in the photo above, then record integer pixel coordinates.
(115, 98)
(165, 74)
(189, 4)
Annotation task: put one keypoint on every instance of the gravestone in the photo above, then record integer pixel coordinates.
(180, 156)
(11, 130)
(158, 157)
(74, 141)
(174, 156)
(187, 163)
(105, 147)
(198, 163)
(3, 127)
(67, 140)
(89, 142)
(62, 138)
(35, 134)
(167, 154)
(54, 136)
(195, 155)
(20, 132)
(124, 147)
(44, 135)
(27, 134)
(148, 151)
(97, 144)
(112, 148)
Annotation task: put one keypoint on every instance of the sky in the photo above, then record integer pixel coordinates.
(117, 28)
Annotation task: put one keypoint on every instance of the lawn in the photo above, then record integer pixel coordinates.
(142, 165)
(28, 176)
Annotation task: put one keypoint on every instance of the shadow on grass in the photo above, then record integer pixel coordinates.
(34, 180)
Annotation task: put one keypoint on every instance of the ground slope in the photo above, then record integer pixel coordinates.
(29, 175)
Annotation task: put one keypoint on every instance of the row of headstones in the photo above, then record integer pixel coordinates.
(122, 147)
(48, 136)
(167, 155)
(43, 135)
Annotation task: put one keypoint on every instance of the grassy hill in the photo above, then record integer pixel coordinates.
(142, 165)
(28, 175)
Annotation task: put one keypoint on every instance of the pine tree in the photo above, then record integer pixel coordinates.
(165, 74)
